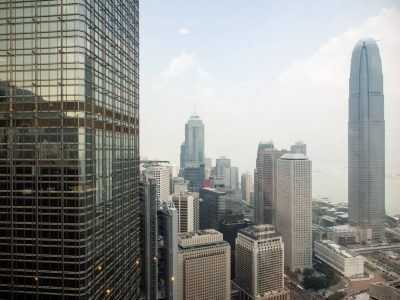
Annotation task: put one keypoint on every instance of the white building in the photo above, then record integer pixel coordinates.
(246, 185)
(204, 266)
(160, 172)
(187, 205)
(347, 262)
(294, 216)
(259, 264)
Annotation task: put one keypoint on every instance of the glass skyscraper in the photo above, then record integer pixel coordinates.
(69, 141)
(367, 140)
(192, 149)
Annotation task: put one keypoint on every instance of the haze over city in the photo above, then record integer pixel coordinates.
(264, 70)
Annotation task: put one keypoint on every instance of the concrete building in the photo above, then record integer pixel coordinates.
(347, 262)
(231, 178)
(346, 234)
(246, 185)
(160, 172)
(260, 264)
(299, 147)
(204, 266)
(221, 165)
(294, 216)
(265, 193)
(366, 140)
(168, 264)
(187, 205)
(192, 149)
(178, 185)
(69, 150)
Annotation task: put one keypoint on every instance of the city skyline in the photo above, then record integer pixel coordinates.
(185, 75)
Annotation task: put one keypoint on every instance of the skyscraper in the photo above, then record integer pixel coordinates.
(192, 149)
(366, 139)
(294, 217)
(299, 147)
(187, 205)
(222, 164)
(69, 149)
(204, 266)
(265, 183)
(212, 208)
(259, 264)
(246, 184)
(160, 172)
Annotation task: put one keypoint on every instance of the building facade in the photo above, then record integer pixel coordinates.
(213, 208)
(194, 173)
(294, 216)
(69, 149)
(246, 184)
(265, 186)
(260, 264)
(192, 149)
(204, 266)
(161, 173)
(366, 140)
(347, 262)
(187, 205)
(299, 147)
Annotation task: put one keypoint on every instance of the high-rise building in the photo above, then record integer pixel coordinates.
(192, 149)
(187, 205)
(208, 163)
(299, 147)
(231, 178)
(204, 266)
(168, 264)
(212, 207)
(221, 165)
(149, 201)
(173, 171)
(69, 150)
(246, 184)
(178, 185)
(294, 216)
(265, 183)
(195, 175)
(160, 172)
(366, 140)
(260, 264)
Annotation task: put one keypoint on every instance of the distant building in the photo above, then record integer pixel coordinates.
(221, 165)
(160, 172)
(173, 171)
(294, 220)
(208, 163)
(246, 185)
(204, 266)
(299, 147)
(265, 183)
(229, 227)
(260, 264)
(347, 262)
(178, 185)
(194, 174)
(212, 208)
(192, 149)
(168, 265)
(345, 234)
(366, 140)
(187, 205)
(231, 179)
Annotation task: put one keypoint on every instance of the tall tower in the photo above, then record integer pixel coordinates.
(69, 150)
(265, 183)
(294, 217)
(192, 149)
(366, 140)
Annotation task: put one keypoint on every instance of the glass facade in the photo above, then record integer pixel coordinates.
(69, 159)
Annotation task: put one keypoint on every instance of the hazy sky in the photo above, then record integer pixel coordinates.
(259, 70)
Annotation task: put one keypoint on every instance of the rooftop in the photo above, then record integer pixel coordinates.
(338, 249)
(199, 238)
(294, 156)
(258, 232)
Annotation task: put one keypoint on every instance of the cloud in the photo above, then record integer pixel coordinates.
(184, 31)
(179, 66)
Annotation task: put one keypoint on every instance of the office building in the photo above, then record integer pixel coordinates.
(168, 264)
(208, 163)
(343, 260)
(192, 149)
(260, 264)
(246, 185)
(204, 266)
(231, 178)
(221, 165)
(187, 205)
(294, 217)
(173, 171)
(149, 202)
(229, 227)
(160, 172)
(194, 174)
(265, 183)
(366, 140)
(69, 150)
(178, 185)
(212, 208)
(299, 147)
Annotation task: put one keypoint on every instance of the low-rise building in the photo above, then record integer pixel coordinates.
(343, 260)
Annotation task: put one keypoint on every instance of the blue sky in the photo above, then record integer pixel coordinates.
(260, 70)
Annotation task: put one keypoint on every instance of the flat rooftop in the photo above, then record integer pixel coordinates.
(338, 249)
(199, 238)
